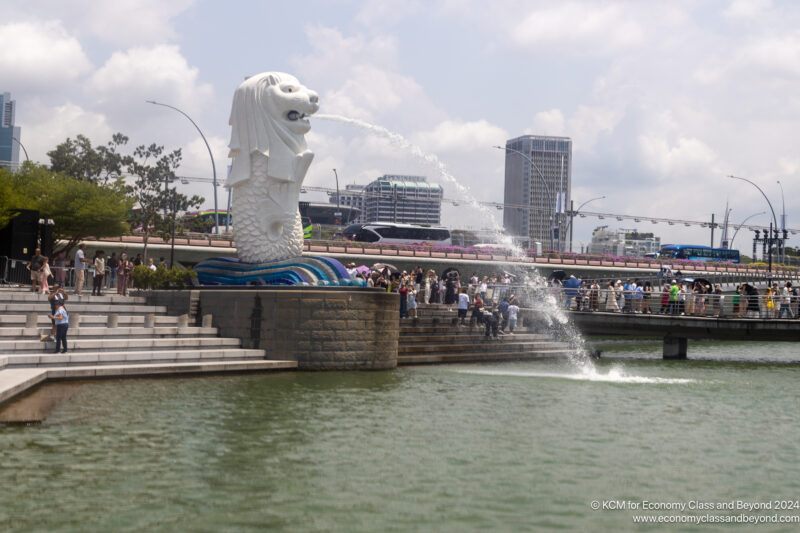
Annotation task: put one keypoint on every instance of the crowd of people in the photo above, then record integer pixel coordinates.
(489, 297)
(105, 273)
(679, 298)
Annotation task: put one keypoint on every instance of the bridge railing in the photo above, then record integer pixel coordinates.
(725, 305)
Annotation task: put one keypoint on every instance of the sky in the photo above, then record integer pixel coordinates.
(663, 100)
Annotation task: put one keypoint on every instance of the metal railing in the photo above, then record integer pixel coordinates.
(725, 305)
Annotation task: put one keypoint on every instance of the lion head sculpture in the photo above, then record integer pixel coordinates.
(270, 160)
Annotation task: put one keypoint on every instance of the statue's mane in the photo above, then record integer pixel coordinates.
(254, 128)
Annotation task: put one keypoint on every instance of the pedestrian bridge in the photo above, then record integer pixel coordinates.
(676, 330)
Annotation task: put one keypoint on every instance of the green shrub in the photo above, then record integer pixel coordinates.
(162, 278)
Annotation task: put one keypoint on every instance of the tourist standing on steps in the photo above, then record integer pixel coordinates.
(35, 267)
(80, 267)
(45, 276)
(513, 312)
(123, 274)
(56, 299)
(403, 290)
(99, 273)
(61, 319)
(463, 305)
(412, 302)
(113, 267)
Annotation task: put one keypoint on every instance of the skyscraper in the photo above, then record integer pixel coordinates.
(9, 148)
(537, 196)
(408, 199)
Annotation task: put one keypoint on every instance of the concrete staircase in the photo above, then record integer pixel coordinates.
(435, 337)
(111, 336)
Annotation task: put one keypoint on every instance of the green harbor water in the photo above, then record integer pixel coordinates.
(500, 447)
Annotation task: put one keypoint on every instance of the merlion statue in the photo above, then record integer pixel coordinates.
(270, 160)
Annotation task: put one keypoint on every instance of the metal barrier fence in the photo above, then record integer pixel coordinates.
(15, 272)
(725, 305)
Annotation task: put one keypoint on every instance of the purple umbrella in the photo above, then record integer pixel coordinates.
(364, 269)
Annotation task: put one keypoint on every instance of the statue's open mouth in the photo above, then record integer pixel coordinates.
(295, 115)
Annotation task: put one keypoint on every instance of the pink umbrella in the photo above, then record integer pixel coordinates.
(364, 269)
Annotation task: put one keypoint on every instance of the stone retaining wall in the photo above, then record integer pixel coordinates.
(320, 328)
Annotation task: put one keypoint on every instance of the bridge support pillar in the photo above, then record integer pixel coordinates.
(674, 347)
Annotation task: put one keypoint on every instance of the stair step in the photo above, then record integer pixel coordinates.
(89, 320)
(140, 357)
(135, 344)
(471, 357)
(479, 346)
(7, 333)
(98, 308)
(467, 337)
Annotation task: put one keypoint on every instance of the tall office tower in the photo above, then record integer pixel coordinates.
(9, 148)
(408, 199)
(537, 197)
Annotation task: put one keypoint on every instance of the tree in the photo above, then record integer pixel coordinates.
(79, 159)
(78, 208)
(156, 205)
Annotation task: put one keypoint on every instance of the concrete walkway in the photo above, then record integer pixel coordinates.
(112, 336)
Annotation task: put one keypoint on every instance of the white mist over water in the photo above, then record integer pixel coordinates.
(554, 315)
(614, 375)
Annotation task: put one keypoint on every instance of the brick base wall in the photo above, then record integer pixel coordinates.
(335, 329)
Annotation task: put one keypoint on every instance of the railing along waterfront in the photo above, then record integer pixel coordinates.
(724, 305)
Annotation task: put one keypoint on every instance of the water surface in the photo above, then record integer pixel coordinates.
(504, 447)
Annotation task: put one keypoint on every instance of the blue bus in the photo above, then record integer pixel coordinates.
(693, 252)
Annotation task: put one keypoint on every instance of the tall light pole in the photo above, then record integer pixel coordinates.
(26, 152)
(770, 238)
(211, 155)
(551, 206)
(730, 243)
(783, 222)
(338, 197)
(573, 212)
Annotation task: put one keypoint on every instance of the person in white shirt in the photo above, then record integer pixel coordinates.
(80, 267)
(150, 264)
(786, 300)
(513, 313)
(463, 306)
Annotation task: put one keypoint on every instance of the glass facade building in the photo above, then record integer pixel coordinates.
(405, 199)
(9, 148)
(535, 193)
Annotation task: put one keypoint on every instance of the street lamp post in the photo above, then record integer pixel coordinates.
(783, 223)
(770, 239)
(211, 155)
(551, 206)
(573, 212)
(730, 243)
(26, 152)
(338, 198)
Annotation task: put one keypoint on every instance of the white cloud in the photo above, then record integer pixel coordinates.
(461, 137)
(45, 127)
(39, 57)
(118, 22)
(593, 27)
(159, 73)
(746, 9)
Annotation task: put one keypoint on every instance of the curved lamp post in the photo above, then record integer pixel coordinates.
(572, 217)
(774, 218)
(213, 165)
(783, 222)
(730, 244)
(26, 152)
(551, 206)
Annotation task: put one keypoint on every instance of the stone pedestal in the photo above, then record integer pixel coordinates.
(320, 328)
